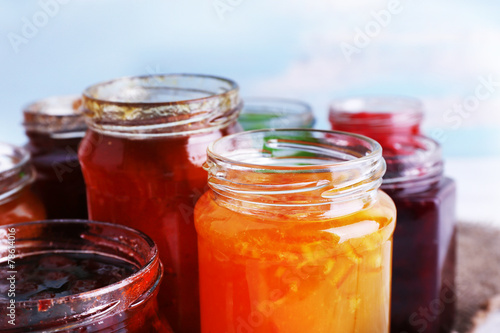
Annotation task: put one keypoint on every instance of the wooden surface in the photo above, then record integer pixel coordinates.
(478, 271)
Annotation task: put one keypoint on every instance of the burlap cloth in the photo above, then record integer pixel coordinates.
(478, 270)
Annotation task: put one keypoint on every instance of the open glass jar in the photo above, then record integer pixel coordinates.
(424, 240)
(79, 276)
(377, 117)
(269, 112)
(17, 202)
(142, 162)
(293, 235)
(55, 126)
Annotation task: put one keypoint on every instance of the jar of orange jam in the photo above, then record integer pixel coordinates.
(294, 235)
(17, 202)
(142, 162)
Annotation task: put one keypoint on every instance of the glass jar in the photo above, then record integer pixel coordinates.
(269, 112)
(79, 276)
(423, 287)
(377, 117)
(55, 126)
(17, 202)
(293, 235)
(142, 162)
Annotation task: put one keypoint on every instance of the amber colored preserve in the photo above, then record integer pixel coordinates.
(79, 276)
(142, 162)
(17, 202)
(294, 235)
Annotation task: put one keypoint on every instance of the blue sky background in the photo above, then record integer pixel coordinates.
(433, 50)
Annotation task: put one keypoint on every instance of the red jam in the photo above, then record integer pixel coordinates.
(142, 161)
(78, 276)
(55, 128)
(377, 117)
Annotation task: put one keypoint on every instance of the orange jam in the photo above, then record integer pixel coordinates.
(293, 235)
(17, 202)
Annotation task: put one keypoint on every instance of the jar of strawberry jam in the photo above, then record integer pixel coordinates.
(377, 117)
(293, 235)
(17, 202)
(142, 162)
(270, 112)
(55, 126)
(423, 298)
(78, 276)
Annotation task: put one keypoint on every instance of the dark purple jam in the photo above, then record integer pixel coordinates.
(56, 275)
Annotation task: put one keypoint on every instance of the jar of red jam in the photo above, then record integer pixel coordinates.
(55, 126)
(270, 112)
(142, 162)
(293, 235)
(17, 202)
(78, 276)
(423, 298)
(377, 117)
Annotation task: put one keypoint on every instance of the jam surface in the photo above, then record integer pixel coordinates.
(56, 275)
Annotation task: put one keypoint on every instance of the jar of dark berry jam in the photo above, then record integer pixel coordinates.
(377, 117)
(423, 298)
(142, 162)
(78, 276)
(271, 112)
(55, 127)
(423, 283)
(17, 201)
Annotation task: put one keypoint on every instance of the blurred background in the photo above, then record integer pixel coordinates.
(444, 52)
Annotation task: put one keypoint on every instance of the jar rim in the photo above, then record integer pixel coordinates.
(295, 167)
(287, 112)
(413, 158)
(149, 273)
(376, 151)
(55, 114)
(383, 110)
(150, 105)
(16, 171)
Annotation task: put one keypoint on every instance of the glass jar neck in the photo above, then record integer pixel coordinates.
(16, 171)
(105, 308)
(295, 172)
(162, 105)
(414, 163)
(375, 116)
(56, 118)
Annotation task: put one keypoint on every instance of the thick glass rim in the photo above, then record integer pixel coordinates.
(421, 163)
(89, 92)
(54, 115)
(19, 172)
(399, 109)
(376, 150)
(295, 112)
(151, 261)
(161, 105)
